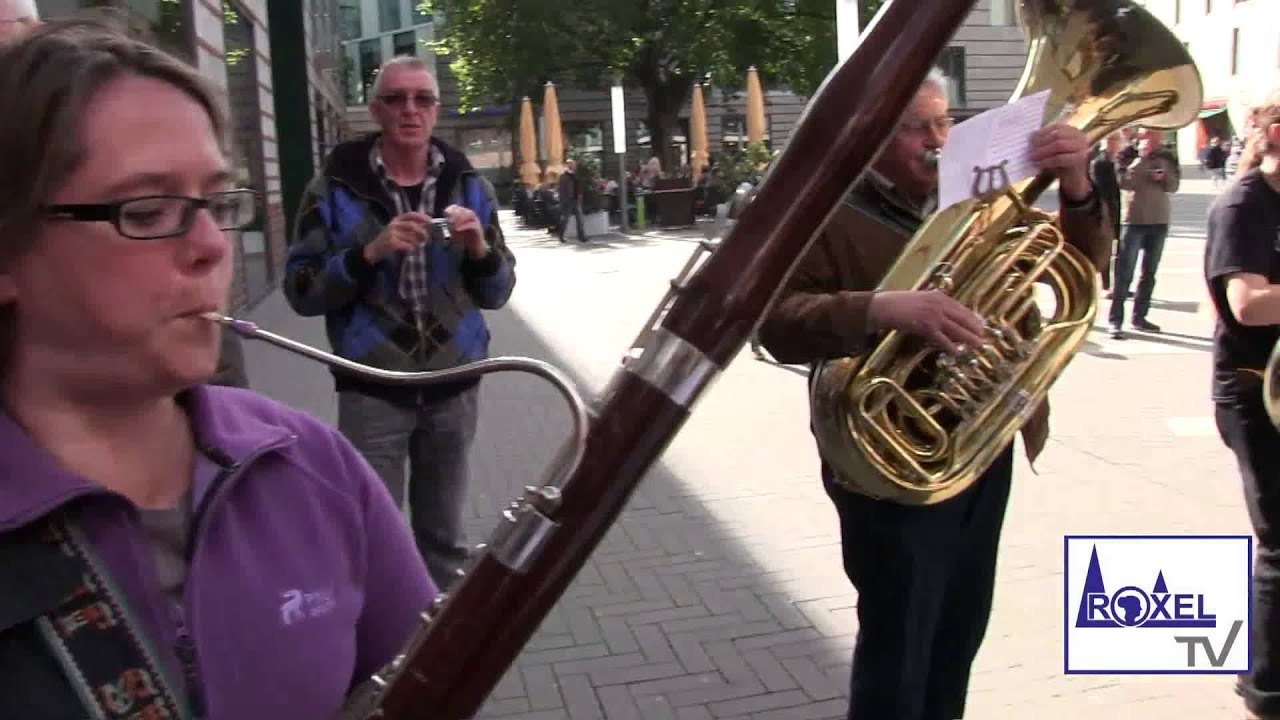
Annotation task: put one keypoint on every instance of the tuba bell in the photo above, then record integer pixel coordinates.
(909, 423)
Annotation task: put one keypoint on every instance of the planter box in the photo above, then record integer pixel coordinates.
(594, 224)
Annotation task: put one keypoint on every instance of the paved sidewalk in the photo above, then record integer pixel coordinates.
(719, 594)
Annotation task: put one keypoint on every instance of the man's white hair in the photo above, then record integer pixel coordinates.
(938, 80)
(19, 9)
(405, 61)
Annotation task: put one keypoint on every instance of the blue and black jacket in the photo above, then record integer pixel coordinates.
(346, 207)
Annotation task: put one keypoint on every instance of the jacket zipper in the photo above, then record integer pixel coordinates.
(185, 644)
(185, 649)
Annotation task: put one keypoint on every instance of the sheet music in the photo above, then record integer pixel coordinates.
(998, 136)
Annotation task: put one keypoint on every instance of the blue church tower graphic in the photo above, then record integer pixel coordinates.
(1134, 607)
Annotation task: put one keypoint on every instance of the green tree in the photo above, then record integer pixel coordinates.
(502, 50)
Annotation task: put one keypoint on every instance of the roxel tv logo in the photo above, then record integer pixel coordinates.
(1157, 604)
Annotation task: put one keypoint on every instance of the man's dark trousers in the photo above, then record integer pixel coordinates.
(435, 437)
(925, 576)
(1245, 428)
(1149, 240)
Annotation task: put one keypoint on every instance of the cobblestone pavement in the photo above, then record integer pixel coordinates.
(719, 594)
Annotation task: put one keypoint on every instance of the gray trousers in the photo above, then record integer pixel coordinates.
(435, 439)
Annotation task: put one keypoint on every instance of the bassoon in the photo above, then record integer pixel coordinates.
(472, 635)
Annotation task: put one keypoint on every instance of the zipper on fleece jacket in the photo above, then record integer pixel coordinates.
(185, 644)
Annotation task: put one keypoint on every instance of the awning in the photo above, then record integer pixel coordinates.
(1210, 112)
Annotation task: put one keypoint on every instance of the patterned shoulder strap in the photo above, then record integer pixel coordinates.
(100, 646)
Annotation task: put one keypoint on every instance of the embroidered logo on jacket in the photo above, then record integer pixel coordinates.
(298, 606)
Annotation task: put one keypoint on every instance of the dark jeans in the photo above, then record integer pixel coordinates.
(435, 439)
(1246, 429)
(925, 576)
(1149, 239)
(575, 210)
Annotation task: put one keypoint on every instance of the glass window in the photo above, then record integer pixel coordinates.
(370, 61)
(419, 16)
(1002, 13)
(487, 148)
(389, 15)
(166, 21)
(161, 22)
(733, 130)
(351, 20)
(951, 63)
(244, 95)
(405, 43)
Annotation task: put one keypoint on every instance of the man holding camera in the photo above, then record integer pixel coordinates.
(1147, 183)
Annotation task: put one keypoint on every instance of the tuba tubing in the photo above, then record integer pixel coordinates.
(471, 635)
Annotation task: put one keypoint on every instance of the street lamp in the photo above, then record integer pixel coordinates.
(620, 148)
(846, 28)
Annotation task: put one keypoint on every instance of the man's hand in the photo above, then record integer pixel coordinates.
(1064, 151)
(930, 314)
(404, 233)
(465, 228)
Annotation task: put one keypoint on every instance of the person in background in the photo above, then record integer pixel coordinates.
(1147, 183)
(398, 293)
(1215, 161)
(159, 534)
(1102, 169)
(569, 190)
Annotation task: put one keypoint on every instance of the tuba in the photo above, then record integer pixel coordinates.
(908, 423)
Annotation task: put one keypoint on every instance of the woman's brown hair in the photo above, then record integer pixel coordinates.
(47, 79)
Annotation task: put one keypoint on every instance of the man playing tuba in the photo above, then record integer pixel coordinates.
(924, 574)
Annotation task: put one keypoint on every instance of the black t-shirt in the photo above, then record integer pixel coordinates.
(1244, 237)
(413, 195)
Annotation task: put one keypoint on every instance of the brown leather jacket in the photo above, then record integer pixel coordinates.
(821, 312)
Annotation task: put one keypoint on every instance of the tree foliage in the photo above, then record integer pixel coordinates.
(501, 50)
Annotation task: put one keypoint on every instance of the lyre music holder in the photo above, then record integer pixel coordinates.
(995, 176)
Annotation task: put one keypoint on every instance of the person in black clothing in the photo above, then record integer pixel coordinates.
(1102, 169)
(1215, 161)
(1242, 270)
(569, 188)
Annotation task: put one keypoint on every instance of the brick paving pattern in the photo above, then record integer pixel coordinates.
(719, 593)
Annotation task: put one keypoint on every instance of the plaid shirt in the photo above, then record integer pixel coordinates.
(414, 272)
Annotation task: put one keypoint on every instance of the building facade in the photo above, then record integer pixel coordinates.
(231, 42)
(1236, 47)
(984, 64)
(985, 59)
